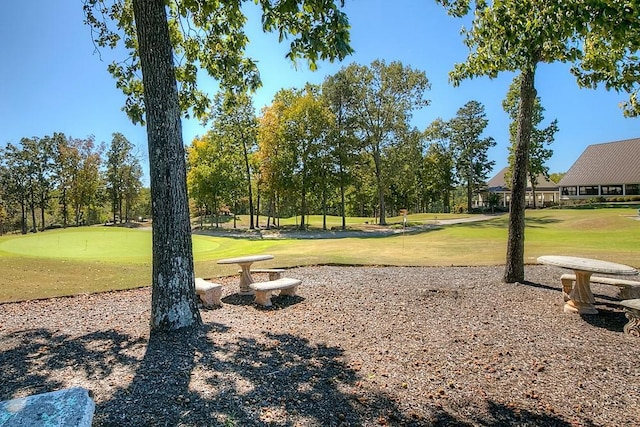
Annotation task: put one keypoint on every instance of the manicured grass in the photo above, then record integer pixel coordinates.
(314, 222)
(65, 262)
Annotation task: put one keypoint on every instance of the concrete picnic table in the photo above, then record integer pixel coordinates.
(581, 298)
(245, 264)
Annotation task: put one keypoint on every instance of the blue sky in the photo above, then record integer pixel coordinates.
(53, 81)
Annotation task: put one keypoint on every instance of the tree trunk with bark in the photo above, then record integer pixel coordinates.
(378, 164)
(514, 269)
(173, 300)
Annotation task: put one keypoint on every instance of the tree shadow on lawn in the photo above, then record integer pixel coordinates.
(189, 379)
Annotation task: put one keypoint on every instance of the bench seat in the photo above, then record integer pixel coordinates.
(208, 292)
(263, 290)
(274, 273)
(632, 312)
(629, 289)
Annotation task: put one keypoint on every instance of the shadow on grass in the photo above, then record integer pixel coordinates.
(193, 379)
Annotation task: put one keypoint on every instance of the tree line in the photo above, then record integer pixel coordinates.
(345, 147)
(59, 181)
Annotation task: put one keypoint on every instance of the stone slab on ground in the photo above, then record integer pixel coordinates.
(70, 407)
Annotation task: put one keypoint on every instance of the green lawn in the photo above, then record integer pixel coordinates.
(72, 261)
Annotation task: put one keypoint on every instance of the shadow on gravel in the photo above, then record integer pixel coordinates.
(606, 318)
(279, 301)
(27, 367)
(194, 379)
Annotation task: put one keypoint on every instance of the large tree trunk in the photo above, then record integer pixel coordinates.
(173, 298)
(514, 271)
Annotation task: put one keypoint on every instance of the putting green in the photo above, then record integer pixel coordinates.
(99, 244)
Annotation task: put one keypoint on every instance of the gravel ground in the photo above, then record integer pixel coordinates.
(357, 347)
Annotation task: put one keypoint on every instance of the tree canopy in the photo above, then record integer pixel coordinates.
(210, 35)
(517, 36)
(168, 41)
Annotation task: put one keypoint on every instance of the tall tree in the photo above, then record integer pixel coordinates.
(67, 159)
(86, 180)
(472, 162)
(37, 155)
(517, 36)
(213, 176)
(385, 98)
(14, 181)
(306, 122)
(234, 118)
(123, 175)
(541, 138)
(405, 165)
(213, 39)
(339, 96)
(273, 159)
(439, 168)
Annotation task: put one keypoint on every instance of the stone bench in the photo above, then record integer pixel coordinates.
(632, 312)
(68, 407)
(274, 273)
(628, 288)
(263, 290)
(208, 292)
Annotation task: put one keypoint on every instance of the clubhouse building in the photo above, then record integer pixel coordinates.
(607, 170)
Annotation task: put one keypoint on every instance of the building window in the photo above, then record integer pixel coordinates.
(569, 191)
(632, 189)
(588, 190)
(611, 190)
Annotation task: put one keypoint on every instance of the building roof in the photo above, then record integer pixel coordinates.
(605, 164)
(498, 183)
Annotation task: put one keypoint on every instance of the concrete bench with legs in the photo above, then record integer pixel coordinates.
(208, 292)
(263, 290)
(274, 273)
(628, 288)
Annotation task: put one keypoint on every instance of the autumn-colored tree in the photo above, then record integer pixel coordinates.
(213, 176)
(306, 124)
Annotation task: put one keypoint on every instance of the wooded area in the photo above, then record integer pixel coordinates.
(59, 181)
(342, 148)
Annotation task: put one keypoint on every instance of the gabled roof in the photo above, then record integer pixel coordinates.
(498, 183)
(609, 163)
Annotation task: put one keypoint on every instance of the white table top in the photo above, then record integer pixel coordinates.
(245, 259)
(587, 264)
